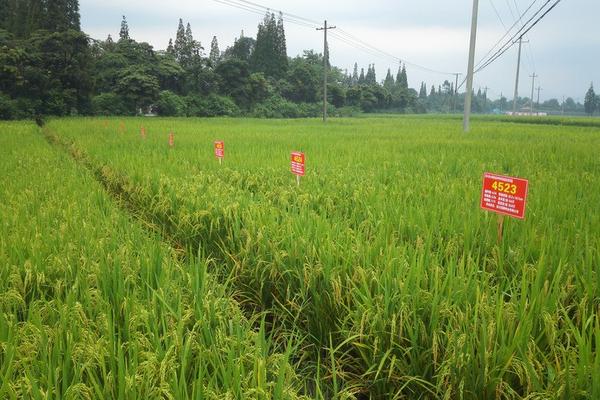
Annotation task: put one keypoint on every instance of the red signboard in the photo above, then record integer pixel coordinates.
(298, 163)
(171, 139)
(219, 149)
(504, 195)
(143, 132)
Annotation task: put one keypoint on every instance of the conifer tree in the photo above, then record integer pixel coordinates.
(215, 53)
(170, 49)
(402, 80)
(179, 46)
(281, 46)
(269, 51)
(590, 102)
(361, 78)
(423, 91)
(124, 32)
(355, 74)
(432, 93)
(389, 80)
(371, 78)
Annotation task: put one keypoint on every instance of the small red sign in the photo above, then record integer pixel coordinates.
(219, 149)
(298, 163)
(504, 195)
(143, 132)
(171, 139)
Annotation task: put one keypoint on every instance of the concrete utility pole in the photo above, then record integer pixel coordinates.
(471, 67)
(538, 98)
(455, 91)
(562, 110)
(517, 80)
(532, 89)
(325, 28)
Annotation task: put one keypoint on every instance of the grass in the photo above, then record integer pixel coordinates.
(381, 262)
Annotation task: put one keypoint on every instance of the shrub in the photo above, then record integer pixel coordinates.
(108, 104)
(170, 105)
(8, 108)
(211, 106)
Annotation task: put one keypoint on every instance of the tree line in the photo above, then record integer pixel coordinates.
(48, 66)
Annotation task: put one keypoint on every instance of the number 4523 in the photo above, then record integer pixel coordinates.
(504, 187)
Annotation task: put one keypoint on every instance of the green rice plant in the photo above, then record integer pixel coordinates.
(382, 258)
(92, 305)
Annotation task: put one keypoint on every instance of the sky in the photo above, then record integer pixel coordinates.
(563, 49)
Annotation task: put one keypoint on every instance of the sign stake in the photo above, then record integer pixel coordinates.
(501, 218)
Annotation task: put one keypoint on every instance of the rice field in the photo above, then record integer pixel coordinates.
(378, 277)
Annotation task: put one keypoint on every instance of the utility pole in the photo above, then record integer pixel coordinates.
(471, 67)
(325, 28)
(455, 91)
(532, 89)
(517, 80)
(562, 111)
(538, 98)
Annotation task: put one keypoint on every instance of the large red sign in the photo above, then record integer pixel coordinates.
(504, 195)
(219, 149)
(298, 163)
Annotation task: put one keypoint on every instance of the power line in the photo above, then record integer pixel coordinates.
(341, 35)
(508, 32)
(520, 33)
(528, 48)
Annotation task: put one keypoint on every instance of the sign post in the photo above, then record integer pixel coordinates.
(171, 139)
(220, 150)
(297, 164)
(504, 195)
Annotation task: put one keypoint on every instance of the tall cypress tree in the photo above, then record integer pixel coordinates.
(402, 80)
(72, 11)
(389, 80)
(124, 32)
(179, 46)
(215, 53)
(590, 102)
(371, 78)
(361, 78)
(281, 46)
(354, 80)
(267, 56)
(423, 91)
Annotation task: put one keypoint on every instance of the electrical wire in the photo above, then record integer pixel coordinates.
(340, 34)
(525, 29)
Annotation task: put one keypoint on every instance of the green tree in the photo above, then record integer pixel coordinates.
(215, 53)
(138, 88)
(389, 81)
(179, 47)
(371, 78)
(124, 32)
(269, 56)
(590, 103)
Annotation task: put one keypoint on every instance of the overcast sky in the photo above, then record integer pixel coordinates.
(564, 47)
